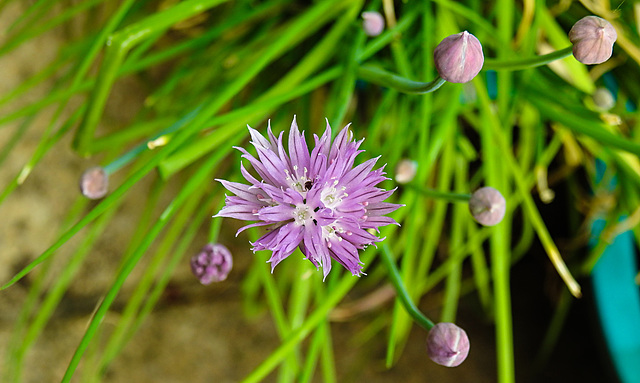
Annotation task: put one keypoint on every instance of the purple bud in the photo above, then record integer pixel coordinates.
(447, 344)
(592, 38)
(372, 23)
(212, 264)
(459, 57)
(94, 183)
(487, 206)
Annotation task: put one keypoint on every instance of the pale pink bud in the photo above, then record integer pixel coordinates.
(447, 344)
(372, 23)
(603, 99)
(459, 58)
(212, 264)
(592, 38)
(487, 206)
(94, 183)
(406, 171)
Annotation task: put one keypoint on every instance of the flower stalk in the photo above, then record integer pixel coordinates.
(404, 85)
(438, 194)
(401, 290)
(399, 83)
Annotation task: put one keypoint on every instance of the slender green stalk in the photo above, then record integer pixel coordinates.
(132, 261)
(60, 287)
(529, 204)
(401, 84)
(40, 28)
(317, 342)
(233, 123)
(403, 294)
(134, 153)
(167, 272)
(526, 63)
(299, 334)
(327, 358)
(442, 195)
(118, 45)
(347, 82)
(119, 334)
(276, 306)
(500, 257)
(460, 215)
(581, 125)
(381, 77)
(43, 147)
(504, 22)
(481, 275)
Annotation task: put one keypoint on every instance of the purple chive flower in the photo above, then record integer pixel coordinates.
(447, 344)
(212, 264)
(316, 201)
(487, 206)
(459, 58)
(94, 183)
(592, 38)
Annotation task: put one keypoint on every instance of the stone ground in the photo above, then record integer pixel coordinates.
(199, 334)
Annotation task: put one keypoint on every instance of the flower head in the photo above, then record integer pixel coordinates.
(94, 183)
(372, 23)
(487, 206)
(592, 38)
(459, 58)
(212, 264)
(447, 344)
(316, 201)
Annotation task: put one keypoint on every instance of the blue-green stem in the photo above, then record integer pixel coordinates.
(381, 77)
(141, 148)
(401, 290)
(526, 63)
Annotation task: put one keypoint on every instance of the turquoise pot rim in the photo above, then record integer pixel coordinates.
(617, 299)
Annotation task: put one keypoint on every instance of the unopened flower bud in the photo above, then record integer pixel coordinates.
(603, 99)
(372, 23)
(487, 206)
(592, 38)
(94, 183)
(405, 171)
(212, 264)
(459, 58)
(447, 344)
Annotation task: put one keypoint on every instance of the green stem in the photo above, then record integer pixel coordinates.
(300, 333)
(401, 84)
(134, 153)
(437, 194)
(401, 290)
(525, 63)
